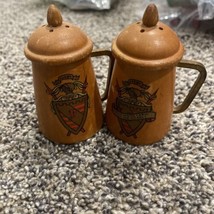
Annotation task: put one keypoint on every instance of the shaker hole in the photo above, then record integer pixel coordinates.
(67, 26)
(160, 28)
(142, 30)
(51, 30)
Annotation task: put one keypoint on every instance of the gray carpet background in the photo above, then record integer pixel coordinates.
(102, 174)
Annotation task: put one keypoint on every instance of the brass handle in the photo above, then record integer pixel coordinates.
(108, 53)
(196, 86)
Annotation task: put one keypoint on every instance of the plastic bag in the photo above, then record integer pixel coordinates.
(182, 13)
(87, 4)
(206, 9)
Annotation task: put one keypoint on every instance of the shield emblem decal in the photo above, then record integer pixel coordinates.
(72, 113)
(70, 102)
(133, 106)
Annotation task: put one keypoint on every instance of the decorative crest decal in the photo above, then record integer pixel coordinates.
(133, 106)
(70, 102)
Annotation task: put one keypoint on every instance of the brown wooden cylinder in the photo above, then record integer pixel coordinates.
(67, 99)
(67, 116)
(140, 100)
(129, 115)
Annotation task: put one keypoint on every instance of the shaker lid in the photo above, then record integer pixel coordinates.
(57, 42)
(148, 43)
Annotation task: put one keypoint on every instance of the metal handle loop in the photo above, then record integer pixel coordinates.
(103, 52)
(196, 86)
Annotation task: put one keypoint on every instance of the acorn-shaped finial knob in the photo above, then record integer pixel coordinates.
(150, 17)
(54, 17)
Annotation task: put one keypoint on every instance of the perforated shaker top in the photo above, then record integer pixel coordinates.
(149, 42)
(57, 42)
